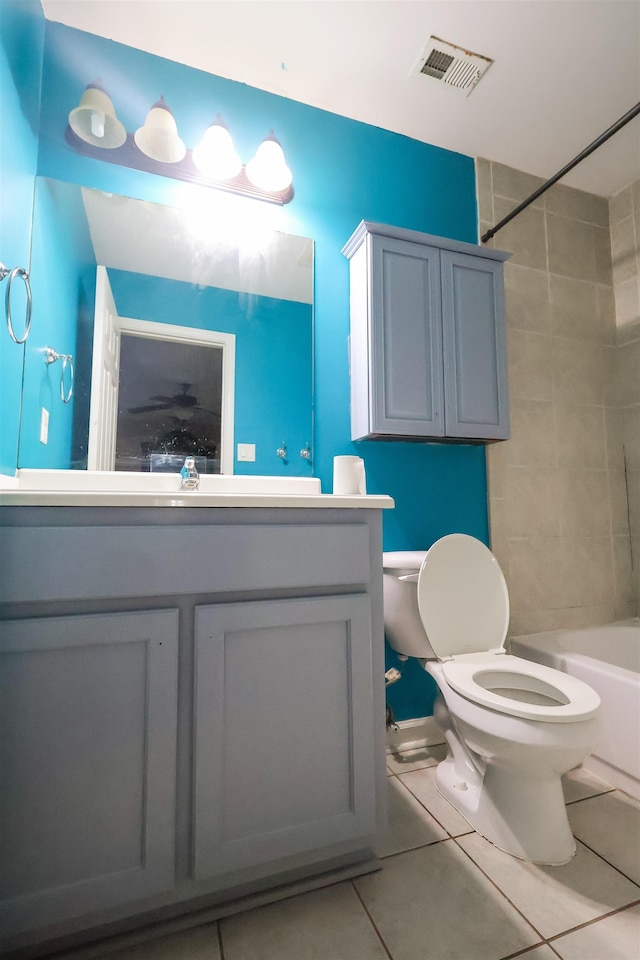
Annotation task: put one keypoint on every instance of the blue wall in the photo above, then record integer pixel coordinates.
(21, 49)
(63, 282)
(344, 171)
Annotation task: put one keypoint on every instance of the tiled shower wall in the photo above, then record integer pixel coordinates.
(624, 212)
(557, 489)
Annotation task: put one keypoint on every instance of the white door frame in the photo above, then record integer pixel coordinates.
(108, 329)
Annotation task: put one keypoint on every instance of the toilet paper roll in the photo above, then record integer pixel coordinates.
(349, 476)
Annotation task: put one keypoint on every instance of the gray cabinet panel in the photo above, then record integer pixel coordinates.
(87, 753)
(66, 563)
(476, 399)
(407, 338)
(284, 749)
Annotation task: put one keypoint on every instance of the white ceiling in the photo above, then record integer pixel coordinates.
(564, 70)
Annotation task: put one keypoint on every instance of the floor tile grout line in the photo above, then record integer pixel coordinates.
(372, 921)
(590, 923)
(524, 951)
(608, 862)
(501, 892)
(419, 846)
(563, 933)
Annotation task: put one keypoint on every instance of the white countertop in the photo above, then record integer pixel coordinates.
(82, 488)
(92, 498)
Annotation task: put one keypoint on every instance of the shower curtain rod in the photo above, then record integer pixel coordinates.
(629, 115)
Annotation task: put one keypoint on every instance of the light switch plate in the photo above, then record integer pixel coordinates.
(44, 425)
(247, 452)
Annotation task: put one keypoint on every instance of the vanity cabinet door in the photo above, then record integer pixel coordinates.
(284, 730)
(87, 754)
(475, 365)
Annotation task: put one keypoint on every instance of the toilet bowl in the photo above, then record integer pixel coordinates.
(512, 727)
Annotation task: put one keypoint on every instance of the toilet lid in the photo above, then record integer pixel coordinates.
(462, 597)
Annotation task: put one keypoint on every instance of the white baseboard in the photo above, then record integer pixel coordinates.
(411, 734)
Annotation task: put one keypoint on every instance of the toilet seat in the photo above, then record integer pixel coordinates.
(464, 607)
(468, 674)
(462, 597)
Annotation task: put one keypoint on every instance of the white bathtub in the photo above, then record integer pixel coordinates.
(608, 659)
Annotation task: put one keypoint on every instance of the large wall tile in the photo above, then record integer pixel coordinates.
(530, 376)
(575, 308)
(584, 502)
(526, 297)
(623, 576)
(515, 184)
(619, 503)
(524, 236)
(606, 313)
(571, 247)
(533, 440)
(569, 202)
(631, 422)
(620, 206)
(582, 431)
(623, 251)
(532, 501)
(535, 572)
(629, 373)
(578, 375)
(587, 570)
(614, 438)
(602, 255)
(627, 297)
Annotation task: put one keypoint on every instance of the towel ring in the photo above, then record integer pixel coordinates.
(50, 356)
(12, 274)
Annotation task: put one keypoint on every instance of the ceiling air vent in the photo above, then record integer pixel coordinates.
(457, 68)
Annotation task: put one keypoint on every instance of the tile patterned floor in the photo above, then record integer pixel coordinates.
(444, 893)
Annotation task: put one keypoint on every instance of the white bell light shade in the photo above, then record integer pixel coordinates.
(215, 155)
(268, 169)
(158, 138)
(94, 119)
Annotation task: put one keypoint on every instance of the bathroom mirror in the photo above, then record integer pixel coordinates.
(183, 271)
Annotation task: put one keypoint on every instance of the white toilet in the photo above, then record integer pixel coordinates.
(512, 727)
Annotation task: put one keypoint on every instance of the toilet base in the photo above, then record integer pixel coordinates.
(523, 816)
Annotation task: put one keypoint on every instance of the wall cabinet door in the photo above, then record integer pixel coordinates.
(87, 753)
(406, 340)
(474, 347)
(284, 735)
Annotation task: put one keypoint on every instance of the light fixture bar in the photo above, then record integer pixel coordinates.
(128, 155)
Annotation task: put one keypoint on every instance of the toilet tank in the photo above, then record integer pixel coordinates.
(402, 624)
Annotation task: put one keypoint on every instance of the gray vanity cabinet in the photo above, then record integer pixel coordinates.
(87, 759)
(191, 711)
(283, 721)
(427, 341)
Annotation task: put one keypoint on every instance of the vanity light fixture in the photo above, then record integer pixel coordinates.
(268, 169)
(156, 147)
(94, 119)
(158, 137)
(215, 155)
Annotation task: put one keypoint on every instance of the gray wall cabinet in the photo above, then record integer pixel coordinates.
(192, 712)
(427, 340)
